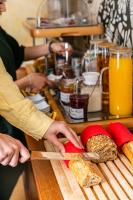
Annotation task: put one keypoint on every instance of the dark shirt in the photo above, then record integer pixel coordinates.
(12, 56)
(11, 53)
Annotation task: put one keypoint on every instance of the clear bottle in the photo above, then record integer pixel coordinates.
(90, 56)
(92, 87)
(102, 63)
(120, 81)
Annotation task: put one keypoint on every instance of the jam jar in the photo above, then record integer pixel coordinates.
(67, 86)
(79, 106)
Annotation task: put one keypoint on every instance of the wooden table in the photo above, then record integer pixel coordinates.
(40, 179)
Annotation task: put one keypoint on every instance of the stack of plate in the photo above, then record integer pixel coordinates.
(40, 102)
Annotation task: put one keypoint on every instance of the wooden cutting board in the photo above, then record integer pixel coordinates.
(117, 180)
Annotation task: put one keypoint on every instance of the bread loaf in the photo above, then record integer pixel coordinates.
(85, 172)
(104, 146)
(128, 151)
(96, 139)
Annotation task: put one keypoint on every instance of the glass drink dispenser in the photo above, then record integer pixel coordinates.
(120, 81)
(63, 13)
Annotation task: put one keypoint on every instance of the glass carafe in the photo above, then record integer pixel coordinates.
(102, 63)
(90, 56)
(120, 81)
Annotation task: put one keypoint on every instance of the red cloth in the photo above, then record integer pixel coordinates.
(70, 148)
(92, 131)
(120, 133)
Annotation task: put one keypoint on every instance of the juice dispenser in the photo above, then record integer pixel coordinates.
(120, 81)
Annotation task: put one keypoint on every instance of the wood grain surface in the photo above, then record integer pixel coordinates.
(117, 180)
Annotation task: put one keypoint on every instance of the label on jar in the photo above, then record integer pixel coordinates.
(65, 97)
(76, 113)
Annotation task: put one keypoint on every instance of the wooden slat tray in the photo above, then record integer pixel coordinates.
(117, 180)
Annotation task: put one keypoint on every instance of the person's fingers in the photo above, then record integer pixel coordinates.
(8, 157)
(15, 158)
(69, 134)
(77, 138)
(24, 153)
(54, 140)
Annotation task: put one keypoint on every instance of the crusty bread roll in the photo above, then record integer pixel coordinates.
(104, 146)
(128, 151)
(85, 172)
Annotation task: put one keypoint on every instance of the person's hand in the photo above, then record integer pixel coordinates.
(60, 48)
(61, 127)
(35, 81)
(12, 151)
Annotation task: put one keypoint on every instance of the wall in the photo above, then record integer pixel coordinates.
(17, 12)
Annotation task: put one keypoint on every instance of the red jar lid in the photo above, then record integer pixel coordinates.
(120, 133)
(70, 148)
(93, 130)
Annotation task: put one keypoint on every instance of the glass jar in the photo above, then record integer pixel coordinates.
(67, 86)
(90, 56)
(78, 106)
(92, 87)
(120, 81)
(102, 63)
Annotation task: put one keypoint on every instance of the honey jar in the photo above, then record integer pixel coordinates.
(102, 63)
(67, 86)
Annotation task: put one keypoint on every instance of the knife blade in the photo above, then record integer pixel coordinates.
(42, 155)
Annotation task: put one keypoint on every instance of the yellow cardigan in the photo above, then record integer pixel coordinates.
(19, 111)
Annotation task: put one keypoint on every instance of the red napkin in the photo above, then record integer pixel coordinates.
(120, 133)
(93, 130)
(70, 148)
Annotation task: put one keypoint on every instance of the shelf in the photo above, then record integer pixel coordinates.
(60, 32)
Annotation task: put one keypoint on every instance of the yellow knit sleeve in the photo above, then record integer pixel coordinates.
(19, 111)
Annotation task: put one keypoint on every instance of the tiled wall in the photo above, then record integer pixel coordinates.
(17, 12)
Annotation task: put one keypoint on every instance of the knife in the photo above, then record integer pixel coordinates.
(42, 155)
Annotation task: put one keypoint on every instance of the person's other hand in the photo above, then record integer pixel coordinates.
(36, 81)
(60, 48)
(61, 127)
(12, 151)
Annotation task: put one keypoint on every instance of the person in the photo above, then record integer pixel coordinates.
(21, 112)
(117, 18)
(24, 115)
(12, 56)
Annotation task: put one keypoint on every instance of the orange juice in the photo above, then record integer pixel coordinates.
(120, 82)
